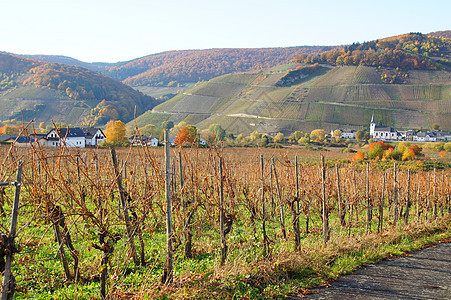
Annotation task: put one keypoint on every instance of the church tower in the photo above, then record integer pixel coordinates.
(372, 126)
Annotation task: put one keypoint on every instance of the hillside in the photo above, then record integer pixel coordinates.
(180, 67)
(315, 97)
(442, 34)
(413, 51)
(96, 66)
(63, 93)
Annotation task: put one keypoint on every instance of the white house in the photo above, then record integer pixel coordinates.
(152, 142)
(71, 137)
(346, 134)
(425, 137)
(383, 132)
(143, 140)
(444, 136)
(94, 136)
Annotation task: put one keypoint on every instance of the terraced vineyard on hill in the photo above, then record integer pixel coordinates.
(330, 97)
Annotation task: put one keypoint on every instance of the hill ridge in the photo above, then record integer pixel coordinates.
(88, 96)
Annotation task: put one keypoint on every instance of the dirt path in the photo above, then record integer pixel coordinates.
(425, 274)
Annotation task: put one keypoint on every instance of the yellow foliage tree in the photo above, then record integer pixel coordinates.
(318, 135)
(115, 132)
(337, 135)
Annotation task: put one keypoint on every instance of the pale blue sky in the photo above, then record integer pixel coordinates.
(118, 30)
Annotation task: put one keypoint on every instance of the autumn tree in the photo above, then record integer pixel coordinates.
(218, 132)
(279, 138)
(318, 135)
(337, 135)
(359, 135)
(359, 156)
(255, 135)
(115, 132)
(295, 136)
(186, 135)
(167, 125)
(149, 129)
(43, 127)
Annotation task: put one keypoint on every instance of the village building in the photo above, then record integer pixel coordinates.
(443, 136)
(93, 136)
(383, 132)
(425, 137)
(143, 140)
(75, 137)
(345, 134)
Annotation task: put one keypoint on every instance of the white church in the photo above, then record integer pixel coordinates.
(383, 132)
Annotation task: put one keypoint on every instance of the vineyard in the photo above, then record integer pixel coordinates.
(205, 223)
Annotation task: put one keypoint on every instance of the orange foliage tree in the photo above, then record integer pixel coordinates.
(187, 134)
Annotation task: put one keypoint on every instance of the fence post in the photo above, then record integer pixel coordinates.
(395, 196)
(282, 213)
(265, 237)
(295, 209)
(124, 204)
(221, 214)
(406, 214)
(325, 209)
(168, 268)
(369, 214)
(9, 282)
(341, 206)
(381, 204)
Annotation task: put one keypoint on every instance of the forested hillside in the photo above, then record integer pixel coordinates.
(97, 66)
(36, 85)
(178, 67)
(413, 51)
(442, 34)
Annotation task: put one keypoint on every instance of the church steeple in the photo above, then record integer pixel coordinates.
(372, 126)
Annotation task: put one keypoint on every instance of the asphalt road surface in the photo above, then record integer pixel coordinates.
(425, 274)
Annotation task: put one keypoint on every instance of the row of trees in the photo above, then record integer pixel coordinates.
(402, 151)
(409, 51)
(187, 133)
(173, 67)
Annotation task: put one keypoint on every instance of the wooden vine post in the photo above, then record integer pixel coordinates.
(418, 199)
(265, 237)
(187, 218)
(281, 206)
(9, 282)
(368, 200)
(341, 205)
(434, 195)
(325, 209)
(222, 214)
(381, 204)
(406, 214)
(295, 209)
(169, 264)
(395, 196)
(124, 204)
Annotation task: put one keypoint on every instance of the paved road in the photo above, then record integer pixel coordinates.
(425, 274)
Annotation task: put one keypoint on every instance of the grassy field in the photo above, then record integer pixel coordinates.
(82, 183)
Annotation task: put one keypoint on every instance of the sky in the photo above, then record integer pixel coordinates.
(121, 30)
